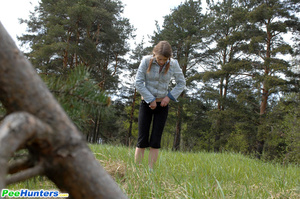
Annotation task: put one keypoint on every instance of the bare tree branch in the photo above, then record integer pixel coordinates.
(19, 165)
(15, 132)
(26, 174)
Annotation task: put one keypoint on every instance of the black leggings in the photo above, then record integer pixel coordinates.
(146, 115)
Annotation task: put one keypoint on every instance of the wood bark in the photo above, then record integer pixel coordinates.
(177, 136)
(129, 134)
(35, 121)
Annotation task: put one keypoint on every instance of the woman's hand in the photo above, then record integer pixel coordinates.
(153, 105)
(165, 101)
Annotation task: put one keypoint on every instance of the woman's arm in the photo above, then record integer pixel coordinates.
(180, 82)
(140, 82)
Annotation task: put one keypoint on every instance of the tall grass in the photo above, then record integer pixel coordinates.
(194, 175)
(199, 175)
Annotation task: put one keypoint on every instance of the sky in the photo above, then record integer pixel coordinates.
(141, 13)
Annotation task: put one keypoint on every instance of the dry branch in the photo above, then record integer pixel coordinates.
(17, 130)
(26, 174)
(19, 165)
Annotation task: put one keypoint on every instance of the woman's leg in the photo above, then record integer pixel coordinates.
(153, 155)
(159, 121)
(139, 155)
(144, 123)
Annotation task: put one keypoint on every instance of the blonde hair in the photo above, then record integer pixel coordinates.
(162, 48)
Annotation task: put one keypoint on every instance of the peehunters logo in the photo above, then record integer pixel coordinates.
(27, 193)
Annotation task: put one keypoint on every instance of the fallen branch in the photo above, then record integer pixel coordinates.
(19, 165)
(26, 174)
(16, 130)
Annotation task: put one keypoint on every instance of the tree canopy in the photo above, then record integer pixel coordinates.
(241, 72)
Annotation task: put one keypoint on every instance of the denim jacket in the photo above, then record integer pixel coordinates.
(154, 85)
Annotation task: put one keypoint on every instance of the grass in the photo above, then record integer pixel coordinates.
(192, 175)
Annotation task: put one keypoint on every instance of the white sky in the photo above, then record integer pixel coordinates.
(141, 13)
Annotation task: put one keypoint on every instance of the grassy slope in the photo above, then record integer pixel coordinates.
(199, 175)
(192, 175)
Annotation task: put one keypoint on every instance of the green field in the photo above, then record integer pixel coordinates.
(192, 175)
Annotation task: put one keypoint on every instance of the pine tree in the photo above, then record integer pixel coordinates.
(269, 24)
(65, 34)
(224, 64)
(270, 20)
(182, 29)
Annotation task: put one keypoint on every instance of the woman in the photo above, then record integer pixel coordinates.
(152, 80)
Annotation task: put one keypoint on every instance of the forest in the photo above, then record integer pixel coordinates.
(240, 59)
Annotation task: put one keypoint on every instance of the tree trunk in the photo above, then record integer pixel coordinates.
(131, 119)
(264, 101)
(265, 89)
(97, 127)
(35, 121)
(177, 137)
(217, 132)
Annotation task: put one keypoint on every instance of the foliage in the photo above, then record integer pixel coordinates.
(195, 135)
(269, 21)
(283, 140)
(126, 124)
(65, 34)
(242, 90)
(78, 94)
(225, 72)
